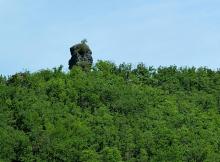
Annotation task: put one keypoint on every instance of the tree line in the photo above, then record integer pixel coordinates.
(111, 113)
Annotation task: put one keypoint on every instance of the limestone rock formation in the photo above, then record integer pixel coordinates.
(81, 55)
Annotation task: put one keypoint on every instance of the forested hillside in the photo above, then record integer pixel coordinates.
(111, 114)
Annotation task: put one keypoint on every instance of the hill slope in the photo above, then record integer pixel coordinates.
(111, 114)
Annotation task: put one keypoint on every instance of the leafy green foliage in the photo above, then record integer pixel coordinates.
(111, 114)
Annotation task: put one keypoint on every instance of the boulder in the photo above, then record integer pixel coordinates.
(81, 55)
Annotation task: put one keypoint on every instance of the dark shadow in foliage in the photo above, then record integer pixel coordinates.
(19, 79)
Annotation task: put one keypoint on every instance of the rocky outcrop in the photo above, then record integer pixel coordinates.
(81, 55)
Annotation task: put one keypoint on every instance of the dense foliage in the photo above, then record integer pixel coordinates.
(111, 114)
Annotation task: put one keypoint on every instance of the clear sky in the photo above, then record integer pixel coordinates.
(37, 34)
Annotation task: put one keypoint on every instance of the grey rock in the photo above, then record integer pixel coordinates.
(81, 55)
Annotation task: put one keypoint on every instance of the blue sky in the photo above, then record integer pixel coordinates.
(36, 35)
